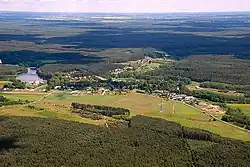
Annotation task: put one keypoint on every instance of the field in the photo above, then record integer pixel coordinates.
(58, 104)
(244, 107)
(195, 86)
(22, 96)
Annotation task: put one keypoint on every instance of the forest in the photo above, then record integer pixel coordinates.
(36, 59)
(213, 68)
(148, 141)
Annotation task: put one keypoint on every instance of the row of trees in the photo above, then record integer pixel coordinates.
(6, 102)
(223, 86)
(217, 97)
(103, 110)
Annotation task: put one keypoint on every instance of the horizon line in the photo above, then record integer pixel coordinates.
(180, 12)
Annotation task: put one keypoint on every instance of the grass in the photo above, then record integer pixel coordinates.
(244, 107)
(149, 106)
(58, 105)
(21, 96)
(193, 87)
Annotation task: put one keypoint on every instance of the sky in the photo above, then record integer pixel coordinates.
(125, 6)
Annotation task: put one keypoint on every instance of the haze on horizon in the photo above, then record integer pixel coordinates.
(125, 6)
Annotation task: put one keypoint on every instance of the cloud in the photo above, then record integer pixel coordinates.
(125, 5)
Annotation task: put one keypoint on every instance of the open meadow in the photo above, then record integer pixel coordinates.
(22, 96)
(58, 105)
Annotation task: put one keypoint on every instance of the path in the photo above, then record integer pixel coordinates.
(44, 97)
(39, 87)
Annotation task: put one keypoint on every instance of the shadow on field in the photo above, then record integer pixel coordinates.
(7, 142)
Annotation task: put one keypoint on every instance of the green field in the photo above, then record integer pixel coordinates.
(21, 96)
(195, 86)
(58, 106)
(150, 106)
(244, 107)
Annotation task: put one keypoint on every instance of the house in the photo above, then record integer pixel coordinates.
(57, 87)
(100, 91)
(189, 98)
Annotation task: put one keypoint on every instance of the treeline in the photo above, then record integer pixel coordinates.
(15, 84)
(102, 110)
(227, 87)
(217, 97)
(237, 117)
(147, 142)
(10, 72)
(35, 59)
(223, 86)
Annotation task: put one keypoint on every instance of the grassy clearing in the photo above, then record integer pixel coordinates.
(194, 86)
(22, 96)
(244, 107)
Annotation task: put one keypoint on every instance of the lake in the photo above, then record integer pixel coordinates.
(30, 77)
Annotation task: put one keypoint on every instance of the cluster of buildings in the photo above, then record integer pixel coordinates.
(181, 97)
(174, 96)
(119, 70)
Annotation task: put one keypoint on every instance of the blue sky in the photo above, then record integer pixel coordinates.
(160, 6)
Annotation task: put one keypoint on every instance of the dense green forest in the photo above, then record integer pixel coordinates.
(147, 142)
(47, 71)
(226, 69)
(178, 45)
(32, 58)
